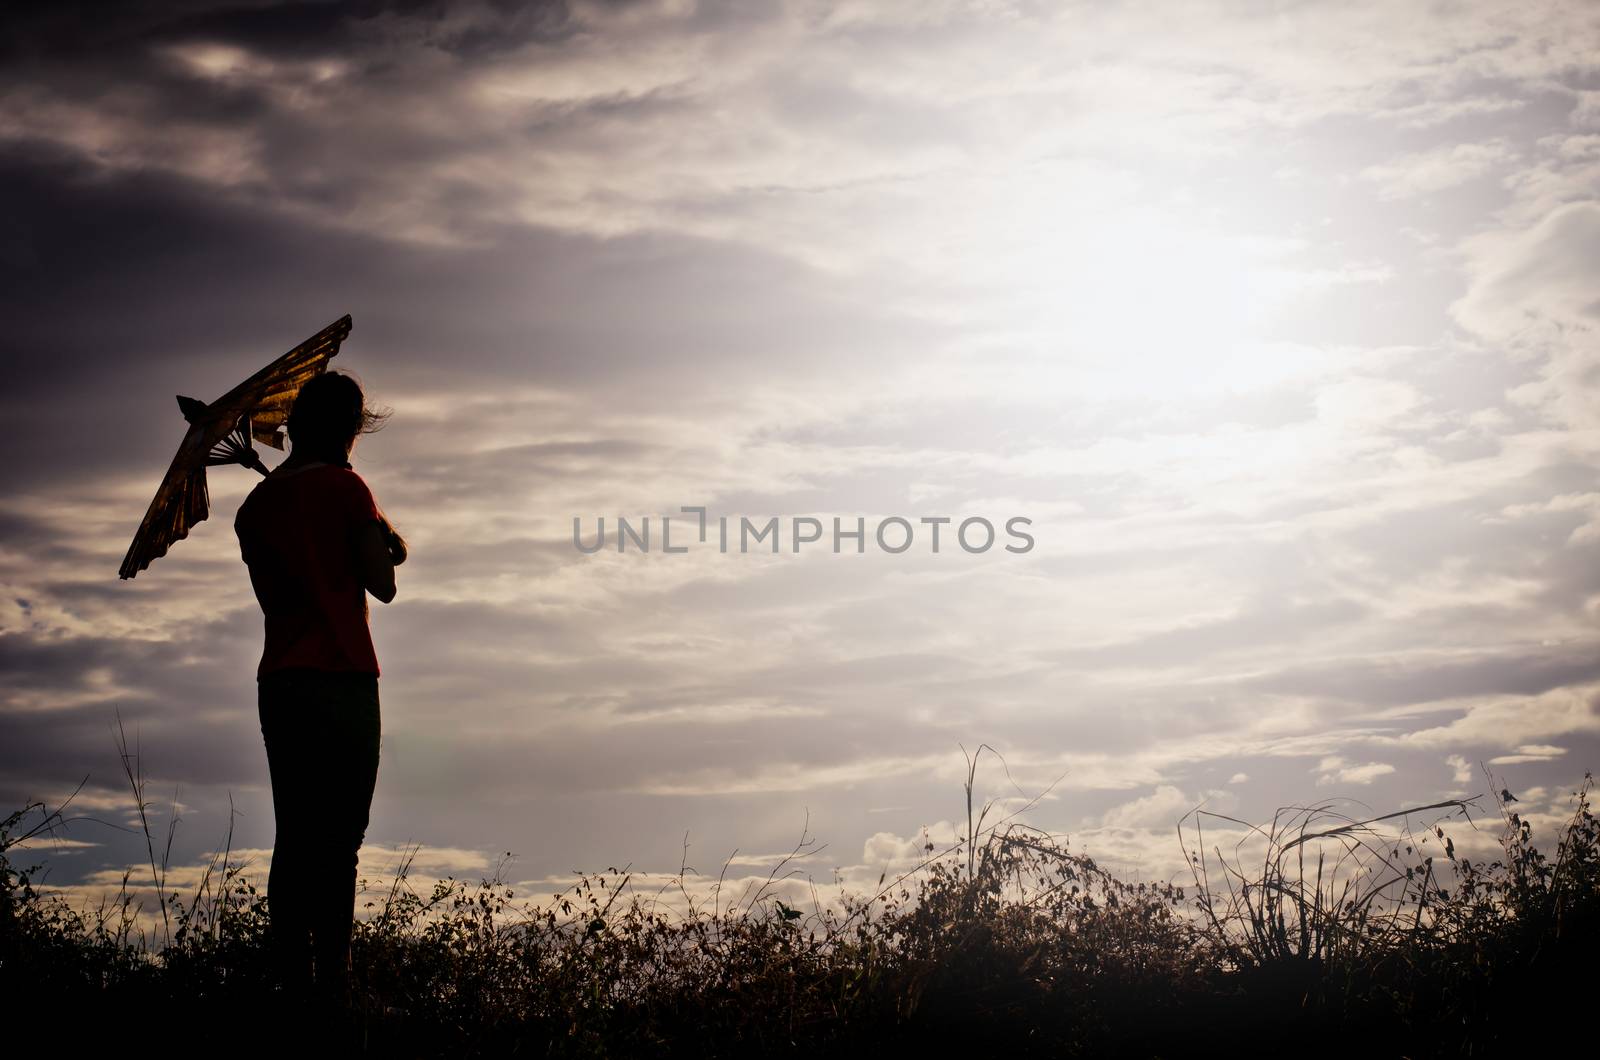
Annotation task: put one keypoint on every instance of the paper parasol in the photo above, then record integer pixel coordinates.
(221, 433)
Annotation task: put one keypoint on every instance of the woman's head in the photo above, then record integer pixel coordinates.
(328, 414)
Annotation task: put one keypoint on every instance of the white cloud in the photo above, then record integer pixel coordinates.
(1161, 808)
(1336, 770)
(1546, 274)
(1529, 753)
(1509, 722)
(1438, 169)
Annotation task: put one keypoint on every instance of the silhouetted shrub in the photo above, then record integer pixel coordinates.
(1341, 937)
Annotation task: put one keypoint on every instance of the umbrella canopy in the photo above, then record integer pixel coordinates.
(221, 433)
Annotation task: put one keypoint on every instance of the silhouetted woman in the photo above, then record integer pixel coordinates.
(316, 543)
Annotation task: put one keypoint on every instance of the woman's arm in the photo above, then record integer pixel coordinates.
(374, 562)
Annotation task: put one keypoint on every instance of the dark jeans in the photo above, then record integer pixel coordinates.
(322, 731)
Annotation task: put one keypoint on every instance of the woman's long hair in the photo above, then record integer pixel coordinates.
(328, 415)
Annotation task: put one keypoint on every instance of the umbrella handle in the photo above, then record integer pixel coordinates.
(235, 448)
(252, 459)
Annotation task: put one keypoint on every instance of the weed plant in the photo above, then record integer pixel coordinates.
(1313, 934)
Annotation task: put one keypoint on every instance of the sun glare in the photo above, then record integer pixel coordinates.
(1141, 305)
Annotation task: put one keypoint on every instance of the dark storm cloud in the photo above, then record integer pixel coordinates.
(141, 270)
(344, 112)
(147, 284)
(185, 700)
(61, 665)
(36, 537)
(126, 268)
(71, 31)
(41, 751)
(64, 664)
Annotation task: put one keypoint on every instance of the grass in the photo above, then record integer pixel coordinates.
(1314, 933)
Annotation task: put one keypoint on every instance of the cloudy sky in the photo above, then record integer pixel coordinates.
(1276, 319)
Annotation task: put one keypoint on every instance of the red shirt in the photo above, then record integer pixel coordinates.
(297, 533)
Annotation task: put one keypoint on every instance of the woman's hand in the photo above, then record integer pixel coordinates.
(395, 543)
(374, 561)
